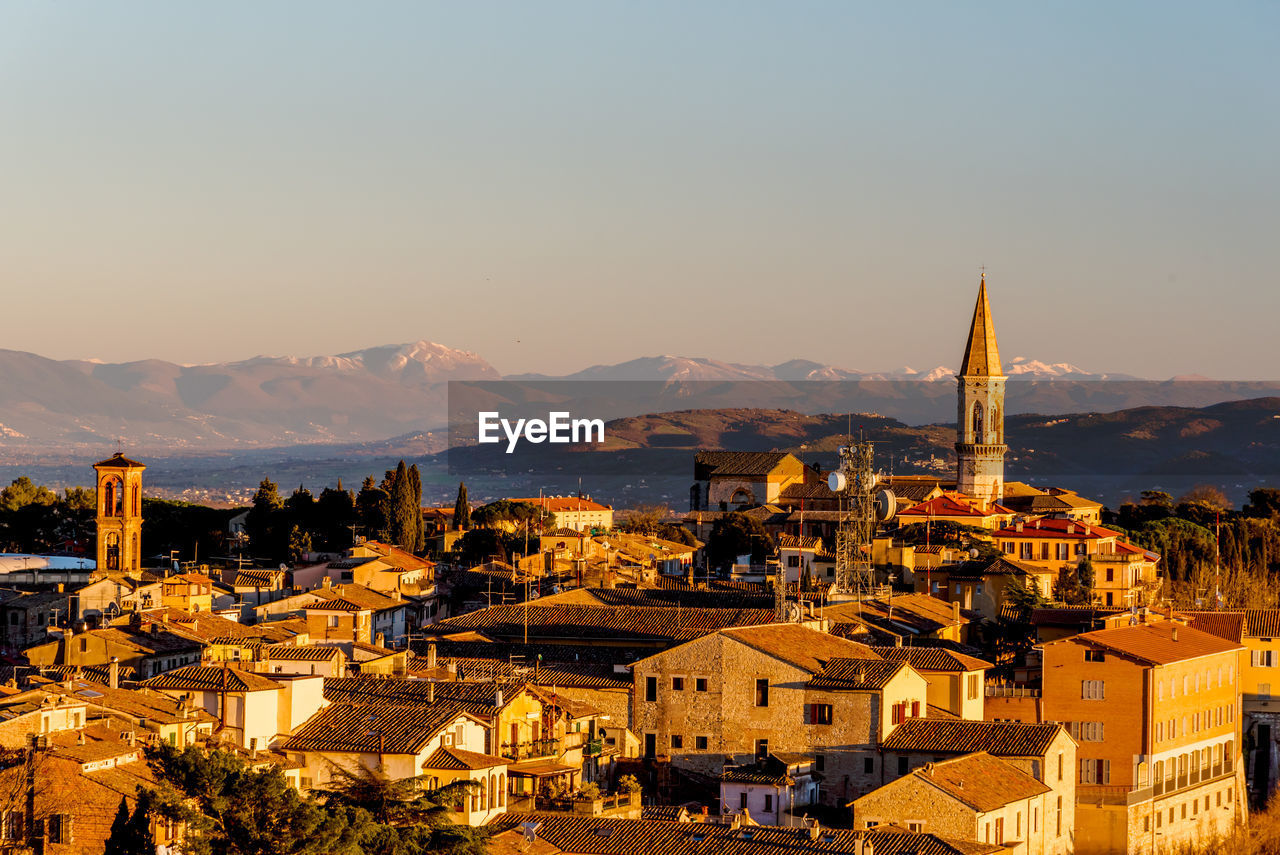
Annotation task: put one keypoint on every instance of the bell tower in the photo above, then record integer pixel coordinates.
(980, 444)
(119, 513)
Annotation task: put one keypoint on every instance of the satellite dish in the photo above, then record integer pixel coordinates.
(284, 567)
(793, 612)
(837, 482)
(886, 505)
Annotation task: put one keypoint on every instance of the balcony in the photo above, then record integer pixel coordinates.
(531, 749)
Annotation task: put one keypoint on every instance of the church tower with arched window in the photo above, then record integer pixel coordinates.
(119, 513)
(980, 444)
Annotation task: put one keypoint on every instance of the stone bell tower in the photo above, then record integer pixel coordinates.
(980, 444)
(119, 513)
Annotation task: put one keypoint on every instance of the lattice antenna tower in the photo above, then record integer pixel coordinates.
(863, 505)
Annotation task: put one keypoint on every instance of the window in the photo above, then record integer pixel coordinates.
(1095, 656)
(1087, 731)
(677, 684)
(903, 767)
(820, 714)
(762, 692)
(60, 828)
(868, 766)
(1111, 575)
(650, 689)
(700, 684)
(1063, 552)
(700, 743)
(1044, 551)
(972, 683)
(1262, 658)
(768, 802)
(914, 825)
(742, 801)
(677, 741)
(793, 560)
(1264, 690)
(819, 762)
(762, 749)
(1000, 829)
(1059, 768)
(1093, 690)
(1058, 831)
(1095, 771)
(1026, 554)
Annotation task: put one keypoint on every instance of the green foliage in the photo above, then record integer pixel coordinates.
(1264, 502)
(462, 509)
(230, 809)
(737, 534)
(372, 503)
(589, 791)
(22, 492)
(1025, 596)
(629, 784)
(516, 514)
(131, 831)
(480, 545)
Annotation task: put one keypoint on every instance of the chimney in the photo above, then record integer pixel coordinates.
(955, 611)
(1173, 632)
(431, 655)
(378, 638)
(326, 582)
(113, 673)
(431, 691)
(62, 588)
(1017, 526)
(497, 698)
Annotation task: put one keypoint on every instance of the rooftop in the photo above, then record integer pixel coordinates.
(982, 782)
(961, 736)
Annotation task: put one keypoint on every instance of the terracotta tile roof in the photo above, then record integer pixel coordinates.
(350, 598)
(1159, 643)
(1050, 527)
(742, 464)
(480, 698)
(559, 504)
(1262, 623)
(932, 659)
(809, 649)
(960, 736)
(119, 461)
(454, 759)
(1071, 615)
(148, 643)
(614, 624)
(1225, 625)
(308, 653)
(136, 703)
(792, 541)
(374, 728)
(998, 566)
(208, 628)
(982, 782)
(258, 578)
(211, 678)
(856, 675)
(952, 505)
(606, 836)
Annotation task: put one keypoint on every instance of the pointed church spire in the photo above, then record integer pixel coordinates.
(981, 355)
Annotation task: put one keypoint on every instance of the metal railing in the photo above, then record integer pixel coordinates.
(532, 748)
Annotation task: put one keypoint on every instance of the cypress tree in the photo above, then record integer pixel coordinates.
(403, 510)
(419, 535)
(462, 508)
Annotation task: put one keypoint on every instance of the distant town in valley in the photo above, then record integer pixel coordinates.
(1025, 627)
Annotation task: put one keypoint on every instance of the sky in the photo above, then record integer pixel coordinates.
(560, 184)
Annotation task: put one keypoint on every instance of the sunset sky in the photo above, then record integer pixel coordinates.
(559, 184)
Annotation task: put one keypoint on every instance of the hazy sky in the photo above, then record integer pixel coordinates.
(556, 184)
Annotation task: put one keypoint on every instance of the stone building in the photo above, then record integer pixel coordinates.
(956, 680)
(1046, 752)
(973, 797)
(1155, 707)
(741, 694)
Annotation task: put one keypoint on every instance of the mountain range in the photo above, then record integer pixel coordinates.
(82, 407)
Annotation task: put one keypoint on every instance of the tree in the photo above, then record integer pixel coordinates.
(419, 535)
(409, 817)
(462, 509)
(1207, 495)
(405, 519)
(371, 509)
(80, 498)
(1263, 502)
(1025, 595)
(131, 831)
(230, 809)
(299, 544)
(629, 784)
(262, 524)
(736, 534)
(22, 492)
(480, 545)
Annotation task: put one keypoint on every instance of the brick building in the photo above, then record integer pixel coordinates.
(1155, 707)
